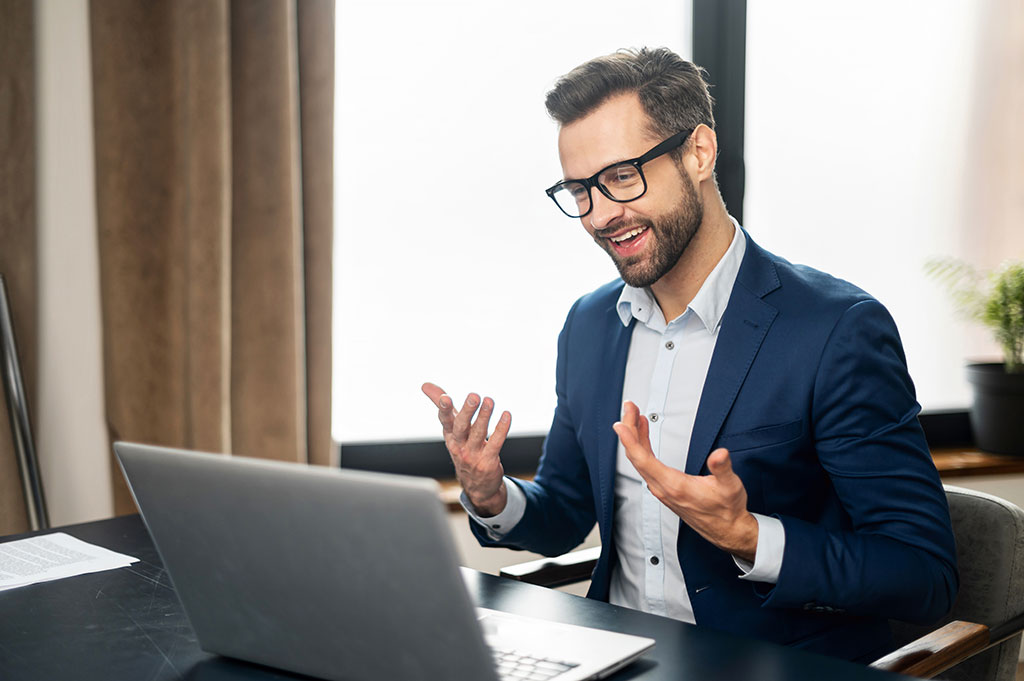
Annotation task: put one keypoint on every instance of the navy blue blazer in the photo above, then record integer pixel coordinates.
(808, 389)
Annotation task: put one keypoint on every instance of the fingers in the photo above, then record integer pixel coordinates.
(634, 433)
(630, 414)
(459, 426)
(627, 436)
(478, 431)
(446, 414)
(627, 428)
(445, 409)
(464, 417)
(434, 392)
(720, 465)
(644, 430)
(497, 438)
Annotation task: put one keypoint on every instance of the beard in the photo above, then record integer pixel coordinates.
(669, 235)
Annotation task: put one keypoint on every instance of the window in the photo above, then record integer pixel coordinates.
(452, 265)
(858, 119)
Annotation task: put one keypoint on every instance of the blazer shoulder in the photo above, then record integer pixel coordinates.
(599, 301)
(807, 287)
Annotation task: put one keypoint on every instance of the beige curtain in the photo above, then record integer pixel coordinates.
(17, 228)
(214, 124)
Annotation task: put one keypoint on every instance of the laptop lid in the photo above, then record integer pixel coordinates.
(335, 574)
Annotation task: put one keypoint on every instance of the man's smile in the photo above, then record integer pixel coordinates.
(629, 241)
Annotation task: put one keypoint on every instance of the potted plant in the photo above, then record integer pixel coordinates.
(996, 300)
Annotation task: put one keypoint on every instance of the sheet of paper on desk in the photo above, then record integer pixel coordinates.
(53, 556)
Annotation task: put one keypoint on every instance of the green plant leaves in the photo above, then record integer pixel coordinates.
(995, 300)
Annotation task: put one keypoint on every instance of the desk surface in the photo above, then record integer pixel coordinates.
(127, 624)
(962, 463)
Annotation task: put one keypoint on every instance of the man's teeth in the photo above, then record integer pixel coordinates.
(628, 235)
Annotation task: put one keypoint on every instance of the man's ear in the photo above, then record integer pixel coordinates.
(704, 151)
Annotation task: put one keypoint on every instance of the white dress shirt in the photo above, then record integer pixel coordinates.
(665, 372)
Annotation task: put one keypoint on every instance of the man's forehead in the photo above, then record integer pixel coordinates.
(616, 130)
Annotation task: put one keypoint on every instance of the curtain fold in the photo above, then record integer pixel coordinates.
(267, 308)
(204, 175)
(200, 203)
(316, 83)
(18, 241)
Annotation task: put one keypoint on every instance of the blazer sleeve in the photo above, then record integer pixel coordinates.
(898, 557)
(560, 509)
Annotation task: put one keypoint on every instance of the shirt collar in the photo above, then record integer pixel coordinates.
(711, 300)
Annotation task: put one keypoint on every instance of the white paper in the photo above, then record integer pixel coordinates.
(53, 556)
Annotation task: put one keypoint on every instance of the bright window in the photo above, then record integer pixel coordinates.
(452, 265)
(857, 132)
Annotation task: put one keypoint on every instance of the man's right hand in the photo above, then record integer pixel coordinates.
(477, 464)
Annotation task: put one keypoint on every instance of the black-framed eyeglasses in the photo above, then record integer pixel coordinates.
(621, 182)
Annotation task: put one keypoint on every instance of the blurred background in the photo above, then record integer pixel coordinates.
(259, 226)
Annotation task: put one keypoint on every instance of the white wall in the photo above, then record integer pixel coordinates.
(71, 436)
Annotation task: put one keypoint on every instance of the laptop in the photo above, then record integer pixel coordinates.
(341, 575)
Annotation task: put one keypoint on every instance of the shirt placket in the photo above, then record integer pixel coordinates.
(654, 409)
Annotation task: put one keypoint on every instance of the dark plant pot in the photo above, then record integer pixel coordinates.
(997, 416)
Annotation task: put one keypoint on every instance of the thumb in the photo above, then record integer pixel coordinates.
(719, 463)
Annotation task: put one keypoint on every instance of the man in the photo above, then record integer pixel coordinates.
(777, 483)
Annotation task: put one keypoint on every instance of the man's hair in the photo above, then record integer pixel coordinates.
(673, 92)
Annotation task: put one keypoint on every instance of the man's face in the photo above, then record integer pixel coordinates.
(646, 237)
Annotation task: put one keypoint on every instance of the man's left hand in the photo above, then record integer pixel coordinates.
(714, 505)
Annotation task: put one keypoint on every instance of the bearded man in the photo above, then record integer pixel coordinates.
(743, 430)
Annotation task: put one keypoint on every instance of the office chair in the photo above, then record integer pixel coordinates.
(979, 639)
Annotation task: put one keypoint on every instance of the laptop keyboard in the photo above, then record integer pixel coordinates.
(517, 666)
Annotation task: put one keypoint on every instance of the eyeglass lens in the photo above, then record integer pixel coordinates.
(622, 182)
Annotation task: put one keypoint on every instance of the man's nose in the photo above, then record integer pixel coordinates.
(604, 211)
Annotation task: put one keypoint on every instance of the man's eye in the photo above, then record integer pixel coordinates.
(578, 192)
(622, 175)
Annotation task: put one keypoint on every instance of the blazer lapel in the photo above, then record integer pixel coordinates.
(609, 408)
(745, 324)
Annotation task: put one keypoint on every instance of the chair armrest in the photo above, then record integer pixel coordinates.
(551, 572)
(936, 652)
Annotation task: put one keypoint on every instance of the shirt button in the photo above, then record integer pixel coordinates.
(669, 345)
(654, 560)
(653, 417)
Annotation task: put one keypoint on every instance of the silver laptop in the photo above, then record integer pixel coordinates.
(341, 575)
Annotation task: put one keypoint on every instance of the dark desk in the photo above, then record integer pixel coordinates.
(127, 624)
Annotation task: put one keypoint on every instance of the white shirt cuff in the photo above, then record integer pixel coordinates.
(500, 525)
(771, 542)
